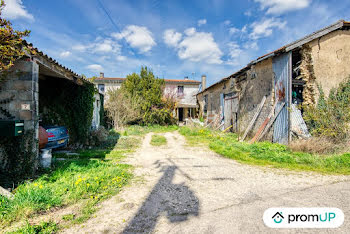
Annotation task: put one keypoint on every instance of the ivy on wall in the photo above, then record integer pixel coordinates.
(67, 104)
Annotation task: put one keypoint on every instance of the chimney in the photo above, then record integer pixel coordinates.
(102, 75)
(186, 78)
(204, 82)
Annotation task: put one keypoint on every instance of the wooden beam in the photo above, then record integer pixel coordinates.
(271, 122)
(254, 118)
(262, 127)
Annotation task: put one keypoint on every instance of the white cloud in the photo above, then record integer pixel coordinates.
(80, 48)
(138, 37)
(95, 67)
(100, 46)
(105, 46)
(251, 45)
(65, 54)
(199, 46)
(227, 22)
(14, 9)
(171, 37)
(121, 58)
(234, 50)
(265, 27)
(248, 13)
(233, 30)
(282, 6)
(201, 22)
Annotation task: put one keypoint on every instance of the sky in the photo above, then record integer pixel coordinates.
(172, 37)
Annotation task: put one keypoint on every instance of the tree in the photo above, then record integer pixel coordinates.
(11, 47)
(140, 100)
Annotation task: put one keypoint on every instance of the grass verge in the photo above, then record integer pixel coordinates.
(158, 140)
(266, 153)
(90, 176)
(137, 130)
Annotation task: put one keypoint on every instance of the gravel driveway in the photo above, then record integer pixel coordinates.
(181, 189)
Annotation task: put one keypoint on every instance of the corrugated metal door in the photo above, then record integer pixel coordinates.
(282, 71)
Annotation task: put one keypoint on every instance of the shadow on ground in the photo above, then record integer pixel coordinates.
(176, 201)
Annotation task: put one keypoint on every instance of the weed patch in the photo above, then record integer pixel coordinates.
(158, 140)
(266, 153)
(92, 176)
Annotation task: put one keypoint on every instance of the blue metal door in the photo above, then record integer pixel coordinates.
(282, 71)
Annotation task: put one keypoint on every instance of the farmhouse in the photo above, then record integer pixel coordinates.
(40, 91)
(184, 90)
(276, 83)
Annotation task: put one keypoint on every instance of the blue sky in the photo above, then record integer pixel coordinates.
(174, 38)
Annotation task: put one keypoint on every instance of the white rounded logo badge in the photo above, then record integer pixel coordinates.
(288, 217)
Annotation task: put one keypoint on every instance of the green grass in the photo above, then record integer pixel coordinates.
(266, 153)
(158, 140)
(91, 176)
(42, 228)
(137, 130)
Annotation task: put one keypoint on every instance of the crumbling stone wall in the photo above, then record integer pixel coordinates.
(308, 75)
(19, 155)
(259, 83)
(330, 59)
(213, 107)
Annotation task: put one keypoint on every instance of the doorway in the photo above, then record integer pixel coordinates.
(181, 114)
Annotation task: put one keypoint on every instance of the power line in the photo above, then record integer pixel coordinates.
(113, 23)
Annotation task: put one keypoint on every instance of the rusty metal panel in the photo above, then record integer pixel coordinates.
(282, 71)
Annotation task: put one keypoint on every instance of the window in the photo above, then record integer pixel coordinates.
(101, 88)
(180, 90)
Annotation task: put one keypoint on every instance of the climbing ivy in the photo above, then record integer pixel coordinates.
(69, 105)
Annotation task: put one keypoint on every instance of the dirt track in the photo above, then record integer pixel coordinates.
(193, 190)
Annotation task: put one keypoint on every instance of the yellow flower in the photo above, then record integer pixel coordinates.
(41, 186)
(92, 197)
(105, 187)
(96, 178)
(35, 184)
(88, 184)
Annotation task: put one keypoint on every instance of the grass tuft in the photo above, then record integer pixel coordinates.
(158, 140)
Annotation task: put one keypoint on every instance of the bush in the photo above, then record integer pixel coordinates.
(140, 100)
(330, 118)
(159, 116)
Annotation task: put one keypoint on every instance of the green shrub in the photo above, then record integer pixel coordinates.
(330, 118)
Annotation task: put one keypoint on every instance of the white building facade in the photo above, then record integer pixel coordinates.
(184, 90)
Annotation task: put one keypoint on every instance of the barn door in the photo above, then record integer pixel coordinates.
(231, 106)
(282, 71)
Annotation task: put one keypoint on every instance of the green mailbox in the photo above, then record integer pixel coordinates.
(11, 127)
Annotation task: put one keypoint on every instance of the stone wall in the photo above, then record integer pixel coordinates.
(331, 58)
(19, 155)
(259, 83)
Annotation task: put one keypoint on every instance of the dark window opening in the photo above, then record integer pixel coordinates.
(297, 79)
(205, 104)
(101, 88)
(180, 90)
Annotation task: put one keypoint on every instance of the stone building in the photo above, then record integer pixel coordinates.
(184, 90)
(288, 76)
(32, 80)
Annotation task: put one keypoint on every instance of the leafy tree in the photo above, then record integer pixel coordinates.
(140, 100)
(11, 44)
